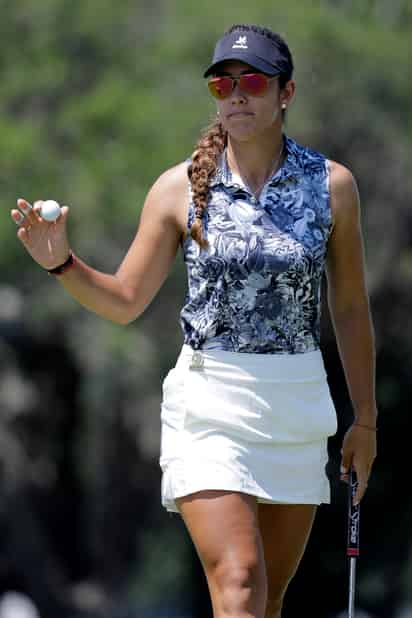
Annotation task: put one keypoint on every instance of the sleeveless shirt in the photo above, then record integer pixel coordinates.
(257, 287)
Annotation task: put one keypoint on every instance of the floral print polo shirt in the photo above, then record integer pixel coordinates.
(257, 287)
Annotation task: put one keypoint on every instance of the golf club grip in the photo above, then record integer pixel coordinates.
(353, 517)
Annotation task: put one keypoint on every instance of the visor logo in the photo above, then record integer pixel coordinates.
(241, 43)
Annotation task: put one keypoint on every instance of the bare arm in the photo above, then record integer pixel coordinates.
(348, 297)
(122, 297)
(350, 312)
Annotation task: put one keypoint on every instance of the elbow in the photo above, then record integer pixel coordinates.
(116, 317)
(117, 314)
(122, 320)
(126, 307)
(132, 304)
(125, 320)
(128, 314)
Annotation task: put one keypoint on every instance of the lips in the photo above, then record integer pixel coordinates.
(234, 114)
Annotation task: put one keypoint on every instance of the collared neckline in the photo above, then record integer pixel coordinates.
(291, 167)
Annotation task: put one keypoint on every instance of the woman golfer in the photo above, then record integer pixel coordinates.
(246, 410)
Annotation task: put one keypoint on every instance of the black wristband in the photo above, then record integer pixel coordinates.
(58, 270)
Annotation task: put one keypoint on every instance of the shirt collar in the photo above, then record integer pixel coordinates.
(291, 167)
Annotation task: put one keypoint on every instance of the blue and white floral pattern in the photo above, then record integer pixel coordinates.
(257, 287)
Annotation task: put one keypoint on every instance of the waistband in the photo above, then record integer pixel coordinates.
(306, 366)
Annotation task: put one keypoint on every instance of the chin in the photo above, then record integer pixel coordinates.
(242, 132)
(245, 138)
(246, 135)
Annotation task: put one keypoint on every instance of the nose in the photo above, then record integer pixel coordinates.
(238, 96)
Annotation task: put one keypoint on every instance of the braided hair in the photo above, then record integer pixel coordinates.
(213, 140)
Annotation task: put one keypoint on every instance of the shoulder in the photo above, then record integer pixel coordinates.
(168, 192)
(167, 200)
(341, 178)
(171, 181)
(344, 193)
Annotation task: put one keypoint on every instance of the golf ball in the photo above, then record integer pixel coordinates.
(50, 210)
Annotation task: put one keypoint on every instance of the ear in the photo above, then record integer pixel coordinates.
(288, 93)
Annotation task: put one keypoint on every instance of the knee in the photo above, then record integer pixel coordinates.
(241, 587)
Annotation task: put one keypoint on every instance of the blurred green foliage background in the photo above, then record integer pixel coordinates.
(97, 99)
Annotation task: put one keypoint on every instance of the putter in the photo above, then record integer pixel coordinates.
(353, 539)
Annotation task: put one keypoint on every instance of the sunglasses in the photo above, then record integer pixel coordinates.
(255, 84)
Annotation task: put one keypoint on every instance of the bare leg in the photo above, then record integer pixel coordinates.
(225, 530)
(285, 530)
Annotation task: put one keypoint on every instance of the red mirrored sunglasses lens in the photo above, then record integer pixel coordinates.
(221, 87)
(255, 84)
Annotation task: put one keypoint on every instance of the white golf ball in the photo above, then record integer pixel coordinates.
(50, 210)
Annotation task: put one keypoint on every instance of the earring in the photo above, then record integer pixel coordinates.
(284, 105)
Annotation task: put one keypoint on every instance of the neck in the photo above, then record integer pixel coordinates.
(255, 161)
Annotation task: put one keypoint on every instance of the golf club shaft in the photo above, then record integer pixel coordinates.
(353, 539)
(352, 587)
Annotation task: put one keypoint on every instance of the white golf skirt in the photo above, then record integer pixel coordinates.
(251, 423)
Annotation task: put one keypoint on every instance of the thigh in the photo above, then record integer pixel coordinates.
(225, 530)
(223, 525)
(285, 530)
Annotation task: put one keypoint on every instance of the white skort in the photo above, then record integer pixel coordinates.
(252, 423)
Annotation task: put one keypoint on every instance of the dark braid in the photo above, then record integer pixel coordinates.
(214, 140)
(203, 167)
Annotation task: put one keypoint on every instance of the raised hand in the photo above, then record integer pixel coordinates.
(46, 241)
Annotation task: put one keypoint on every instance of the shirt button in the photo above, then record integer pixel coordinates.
(253, 200)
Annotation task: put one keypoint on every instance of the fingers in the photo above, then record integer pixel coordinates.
(24, 206)
(37, 207)
(28, 211)
(23, 224)
(345, 465)
(64, 213)
(23, 234)
(17, 216)
(24, 215)
(362, 478)
(358, 452)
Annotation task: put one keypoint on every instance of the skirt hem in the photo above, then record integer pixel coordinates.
(170, 504)
(172, 490)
